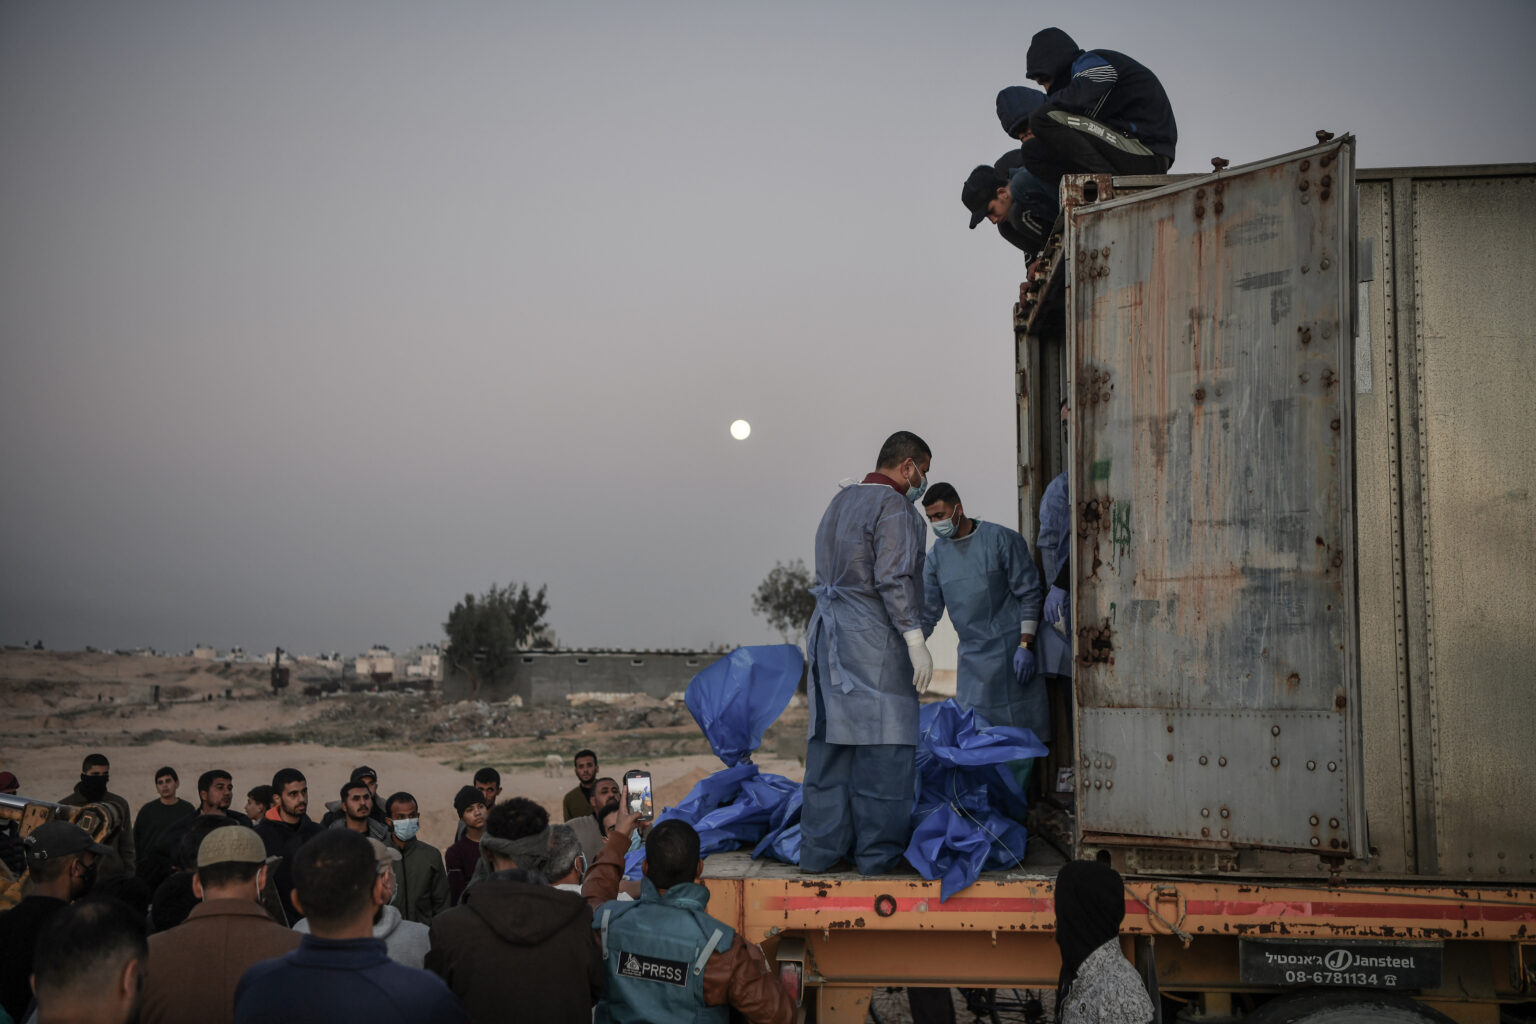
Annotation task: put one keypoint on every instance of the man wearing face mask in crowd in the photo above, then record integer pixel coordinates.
(982, 573)
(95, 772)
(62, 859)
(868, 664)
(423, 890)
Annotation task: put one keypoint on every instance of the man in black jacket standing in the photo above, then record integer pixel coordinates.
(290, 829)
(1103, 113)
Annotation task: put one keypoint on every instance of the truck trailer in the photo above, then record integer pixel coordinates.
(1301, 461)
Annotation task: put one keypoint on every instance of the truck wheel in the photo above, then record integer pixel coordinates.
(1345, 1007)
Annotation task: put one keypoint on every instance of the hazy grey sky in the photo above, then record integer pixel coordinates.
(314, 317)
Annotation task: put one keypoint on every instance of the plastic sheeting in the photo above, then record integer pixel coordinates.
(738, 697)
(969, 804)
(734, 701)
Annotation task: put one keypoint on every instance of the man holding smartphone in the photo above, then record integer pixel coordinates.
(868, 663)
(651, 947)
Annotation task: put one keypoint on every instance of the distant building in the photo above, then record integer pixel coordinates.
(378, 664)
(553, 677)
(205, 653)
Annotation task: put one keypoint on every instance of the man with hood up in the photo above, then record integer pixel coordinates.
(515, 940)
(1004, 192)
(1103, 113)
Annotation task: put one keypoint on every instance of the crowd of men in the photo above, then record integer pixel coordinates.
(1095, 112)
(204, 914)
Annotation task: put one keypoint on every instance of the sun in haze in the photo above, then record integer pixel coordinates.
(741, 429)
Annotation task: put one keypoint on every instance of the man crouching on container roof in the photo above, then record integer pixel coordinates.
(1103, 113)
(664, 958)
(868, 663)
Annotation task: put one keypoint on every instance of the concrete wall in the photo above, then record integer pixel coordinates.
(549, 677)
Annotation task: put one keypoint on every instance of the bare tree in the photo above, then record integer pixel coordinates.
(784, 598)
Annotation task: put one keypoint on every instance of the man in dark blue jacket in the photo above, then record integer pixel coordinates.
(341, 974)
(1103, 113)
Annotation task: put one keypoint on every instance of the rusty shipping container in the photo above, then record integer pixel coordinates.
(1303, 561)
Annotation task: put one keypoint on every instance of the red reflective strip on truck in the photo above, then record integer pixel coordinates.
(1271, 910)
(1421, 909)
(956, 905)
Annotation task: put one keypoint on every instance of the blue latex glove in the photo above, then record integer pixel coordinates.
(1055, 612)
(1023, 665)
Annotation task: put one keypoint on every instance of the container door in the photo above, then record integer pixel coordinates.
(1210, 327)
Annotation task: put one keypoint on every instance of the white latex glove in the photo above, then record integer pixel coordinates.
(922, 661)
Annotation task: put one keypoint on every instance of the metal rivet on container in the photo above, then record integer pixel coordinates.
(1224, 833)
(1226, 813)
(1305, 199)
(1205, 812)
(1221, 762)
(1098, 764)
(1109, 783)
(1332, 766)
(1274, 762)
(1333, 822)
(1205, 832)
(1170, 728)
(1098, 783)
(1105, 250)
(1170, 757)
(1311, 766)
(1274, 730)
(1312, 820)
(1315, 841)
(1202, 759)
(1324, 264)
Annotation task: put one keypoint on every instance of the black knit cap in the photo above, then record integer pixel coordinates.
(466, 798)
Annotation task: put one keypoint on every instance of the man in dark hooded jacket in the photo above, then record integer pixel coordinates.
(1103, 113)
(515, 940)
(1006, 194)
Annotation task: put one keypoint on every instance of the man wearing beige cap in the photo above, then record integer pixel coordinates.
(407, 941)
(194, 967)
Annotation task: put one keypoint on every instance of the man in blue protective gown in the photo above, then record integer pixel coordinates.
(982, 573)
(868, 663)
(1054, 542)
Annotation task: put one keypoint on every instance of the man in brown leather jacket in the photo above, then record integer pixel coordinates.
(738, 976)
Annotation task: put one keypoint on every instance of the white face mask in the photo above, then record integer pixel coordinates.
(946, 527)
(405, 828)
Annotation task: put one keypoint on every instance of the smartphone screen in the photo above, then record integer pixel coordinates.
(637, 794)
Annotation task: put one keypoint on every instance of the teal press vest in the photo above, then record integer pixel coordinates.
(654, 952)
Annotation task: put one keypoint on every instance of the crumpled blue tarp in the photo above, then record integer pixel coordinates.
(738, 697)
(734, 701)
(969, 804)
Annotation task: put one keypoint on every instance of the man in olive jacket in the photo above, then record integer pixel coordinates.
(422, 892)
(95, 773)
